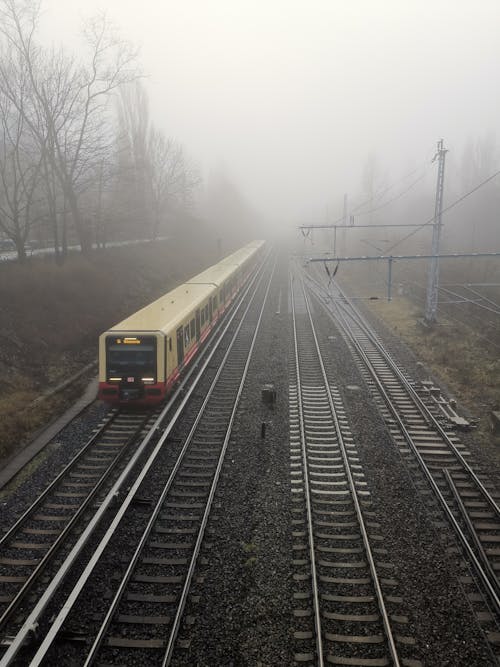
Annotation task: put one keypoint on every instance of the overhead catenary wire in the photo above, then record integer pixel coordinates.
(428, 222)
(398, 196)
(474, 302)
(446, 209)
(453, 318)
(383, 191)
(380, 193)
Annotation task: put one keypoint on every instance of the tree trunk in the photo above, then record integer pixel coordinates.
(57, 250)
(21, 252)
(81, 228)
(64, 232)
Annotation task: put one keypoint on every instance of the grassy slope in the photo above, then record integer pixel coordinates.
(50, 318)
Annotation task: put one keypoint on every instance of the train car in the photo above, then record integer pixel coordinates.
(142, 357)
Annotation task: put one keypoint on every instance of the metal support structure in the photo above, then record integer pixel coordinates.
(353, 226)
(390, 259)
(344, 223)
(389, 280)
(433, 276)
(327, 257)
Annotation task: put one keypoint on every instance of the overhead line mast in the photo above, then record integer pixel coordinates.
(433, 276)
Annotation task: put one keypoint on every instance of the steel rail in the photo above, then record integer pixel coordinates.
(149, 526)
(57, 623)
(57, 479)
(361, 322)
(53, 548)
(187, 584)
(366, 542)
(312, 551)
(428, 414)
(472, 531)
(434, 486)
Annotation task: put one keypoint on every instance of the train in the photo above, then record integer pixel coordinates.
(142, 357)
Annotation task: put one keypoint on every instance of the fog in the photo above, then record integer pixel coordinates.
(292, 99)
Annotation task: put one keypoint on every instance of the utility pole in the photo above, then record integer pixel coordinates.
(433, 277)
(344, 222)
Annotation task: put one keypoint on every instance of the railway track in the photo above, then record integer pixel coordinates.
(161, 572)
(346, 602)
(29, 547)
(431, 445)
(144, 617)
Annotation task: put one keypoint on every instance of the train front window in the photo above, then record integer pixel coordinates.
(131, 357)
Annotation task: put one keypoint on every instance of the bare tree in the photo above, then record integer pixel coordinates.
(132, 157)
(373, 185)
(154, 170)
(172, 179)
(477, 218)
(19, 177)
(68, 101)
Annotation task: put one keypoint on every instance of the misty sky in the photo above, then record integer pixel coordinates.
(291, 96)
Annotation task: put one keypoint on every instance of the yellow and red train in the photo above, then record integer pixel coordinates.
(142, 357)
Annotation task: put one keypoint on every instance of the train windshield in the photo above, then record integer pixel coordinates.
(131, 356)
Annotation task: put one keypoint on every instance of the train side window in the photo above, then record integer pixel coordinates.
(186, 334)
(202, 316)
(169, 344)
(192, 328)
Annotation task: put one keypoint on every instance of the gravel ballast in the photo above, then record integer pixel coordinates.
(241, 611)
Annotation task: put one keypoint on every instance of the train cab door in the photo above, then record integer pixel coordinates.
(198, 325)
(180, 345)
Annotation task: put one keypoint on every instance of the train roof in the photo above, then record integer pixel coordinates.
(215, 275)
(242, 254)
(166, 312)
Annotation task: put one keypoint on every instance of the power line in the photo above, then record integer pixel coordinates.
(490, 178)
(398, 196)
(382, 191)
(446, 209)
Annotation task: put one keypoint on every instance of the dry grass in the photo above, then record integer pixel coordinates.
(18, 422)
